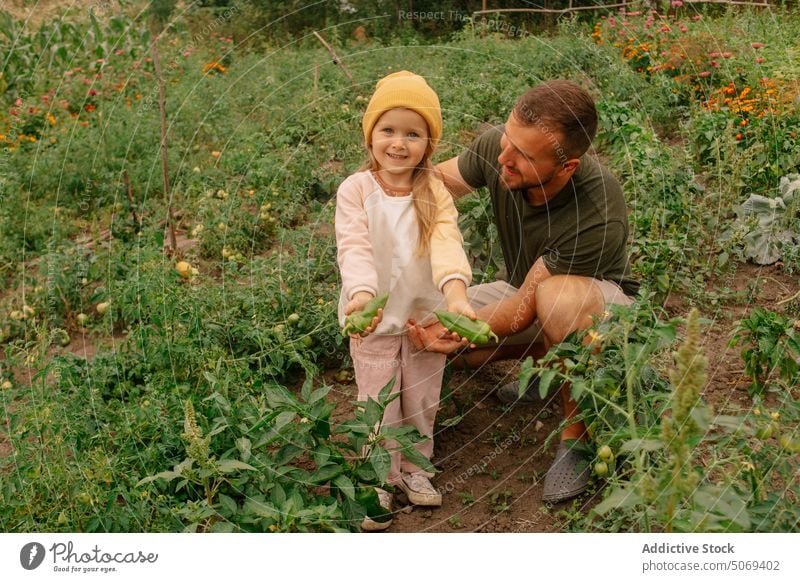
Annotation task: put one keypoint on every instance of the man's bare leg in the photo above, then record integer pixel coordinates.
(565, 304)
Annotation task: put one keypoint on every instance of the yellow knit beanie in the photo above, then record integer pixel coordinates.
(407, 90)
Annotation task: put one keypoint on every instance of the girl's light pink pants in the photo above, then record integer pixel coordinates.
(418, 378)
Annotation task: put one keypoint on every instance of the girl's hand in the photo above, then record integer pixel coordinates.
(372, 326)
(455, 293)
(357, 303)
(462, 307)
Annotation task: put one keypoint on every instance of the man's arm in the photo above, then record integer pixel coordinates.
(514, 314)
(506, 317)
(451, 176)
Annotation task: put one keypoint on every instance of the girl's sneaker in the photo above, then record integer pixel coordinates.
(385, 499)
(419, 490)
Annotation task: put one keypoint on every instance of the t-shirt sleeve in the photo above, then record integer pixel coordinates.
(448, 259)
(479, 160)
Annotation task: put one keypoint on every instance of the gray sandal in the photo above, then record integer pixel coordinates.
(568, 476)
(509, 393)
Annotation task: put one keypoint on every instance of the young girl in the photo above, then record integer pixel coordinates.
(397, 232)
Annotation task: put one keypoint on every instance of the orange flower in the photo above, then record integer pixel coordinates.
(214, 66)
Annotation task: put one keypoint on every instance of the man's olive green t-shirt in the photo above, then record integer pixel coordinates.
(582, 230)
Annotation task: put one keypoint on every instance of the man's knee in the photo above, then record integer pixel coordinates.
(565, 303)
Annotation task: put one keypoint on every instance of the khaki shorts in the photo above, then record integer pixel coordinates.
(487, 293)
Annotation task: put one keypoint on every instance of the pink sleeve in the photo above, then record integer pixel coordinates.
(354, 247)
(448, 259)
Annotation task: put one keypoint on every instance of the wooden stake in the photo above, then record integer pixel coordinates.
(129, 190)
(336, 59)
(162, 106)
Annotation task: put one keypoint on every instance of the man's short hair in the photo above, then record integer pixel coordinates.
(562, 107)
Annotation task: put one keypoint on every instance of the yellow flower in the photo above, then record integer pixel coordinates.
(594, 336)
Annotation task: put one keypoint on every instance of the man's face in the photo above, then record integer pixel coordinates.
(528, 156)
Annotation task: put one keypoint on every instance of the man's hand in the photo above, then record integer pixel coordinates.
(435, 338)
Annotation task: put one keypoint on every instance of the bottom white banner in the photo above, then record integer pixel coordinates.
(618, 557)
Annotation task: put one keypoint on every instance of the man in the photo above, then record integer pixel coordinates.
(563, 228)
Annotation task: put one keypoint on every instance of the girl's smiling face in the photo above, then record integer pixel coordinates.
(399, 141)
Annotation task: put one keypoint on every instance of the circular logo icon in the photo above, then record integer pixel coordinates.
(32, 555)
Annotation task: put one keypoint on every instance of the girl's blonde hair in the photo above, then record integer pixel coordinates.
(422, 195)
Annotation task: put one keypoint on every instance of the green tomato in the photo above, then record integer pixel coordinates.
(765, 432)
(601, 468)
(344, 376)
(788, 444)
(605, 453)
(293, 318)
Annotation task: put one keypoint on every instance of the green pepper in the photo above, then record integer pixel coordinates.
(477, 332)
(358, 321)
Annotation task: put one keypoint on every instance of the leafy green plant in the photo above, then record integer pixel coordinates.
(766, 226)
(772, 348)
(684, 468)
(476, 221)
(610, 372)
(669, 489)
(284, 472)
(500, 501)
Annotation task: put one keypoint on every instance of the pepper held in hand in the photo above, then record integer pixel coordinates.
(477, 332)
(358, 321)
